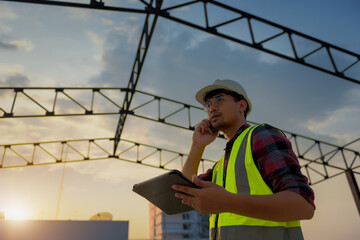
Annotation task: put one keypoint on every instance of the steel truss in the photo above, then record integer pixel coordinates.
(49, 102)
(318, 161)
(333, 54)
(82, 150)
(321, 160)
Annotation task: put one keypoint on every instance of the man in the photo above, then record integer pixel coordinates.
(256, 190)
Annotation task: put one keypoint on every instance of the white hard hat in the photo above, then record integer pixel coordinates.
(226, 84)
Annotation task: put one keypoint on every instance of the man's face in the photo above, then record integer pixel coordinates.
(223, 111)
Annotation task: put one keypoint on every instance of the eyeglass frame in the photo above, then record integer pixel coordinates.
(237, 97)
(218, 99)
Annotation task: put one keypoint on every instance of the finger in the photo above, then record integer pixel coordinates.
(204, 127)
(184, 189)
(205, 123)
(201, 128)
(199, 182)
(210, 131)
(185, 199)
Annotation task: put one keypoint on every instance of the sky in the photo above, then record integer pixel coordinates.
(44, 46)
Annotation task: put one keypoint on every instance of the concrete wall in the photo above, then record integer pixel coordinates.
(63, 230)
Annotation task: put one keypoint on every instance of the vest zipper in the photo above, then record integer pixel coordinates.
(216, 227)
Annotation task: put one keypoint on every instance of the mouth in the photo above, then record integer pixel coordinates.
(214, 117)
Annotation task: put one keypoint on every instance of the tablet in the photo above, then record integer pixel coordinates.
(158, 191)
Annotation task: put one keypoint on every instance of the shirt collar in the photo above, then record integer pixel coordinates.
(238, 132)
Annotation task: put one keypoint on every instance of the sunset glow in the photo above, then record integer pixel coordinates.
(15, 213)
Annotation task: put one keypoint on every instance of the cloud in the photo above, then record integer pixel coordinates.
(119, 50)
(339, 123)
(16, 80)
(23, 43)
(17, 44)
(267, 58)
(5, 28)
(6, 69)
(8, 46)
(106, 21)
(99, 43)
(6, 12)
(129, 29)
(79, 14)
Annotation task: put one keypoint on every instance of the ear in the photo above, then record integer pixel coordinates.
(242, 105)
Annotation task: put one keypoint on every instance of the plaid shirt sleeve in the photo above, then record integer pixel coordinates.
(207, 176)
(277, 163)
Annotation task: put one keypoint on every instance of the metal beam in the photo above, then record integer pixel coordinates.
(93, 5)
(136, 70)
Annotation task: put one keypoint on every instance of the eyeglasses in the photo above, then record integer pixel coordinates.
(216, 102)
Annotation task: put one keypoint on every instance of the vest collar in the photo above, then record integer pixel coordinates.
(238, 132)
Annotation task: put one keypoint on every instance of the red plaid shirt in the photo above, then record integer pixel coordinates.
(275, 159)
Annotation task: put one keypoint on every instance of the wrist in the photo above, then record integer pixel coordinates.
(198, 145)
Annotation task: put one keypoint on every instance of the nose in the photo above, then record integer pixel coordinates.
(212, 108)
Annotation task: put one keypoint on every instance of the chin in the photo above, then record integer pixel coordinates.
(217, 127)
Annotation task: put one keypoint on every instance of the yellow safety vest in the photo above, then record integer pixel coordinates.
(243, 177)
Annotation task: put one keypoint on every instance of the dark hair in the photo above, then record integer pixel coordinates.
(237, 97)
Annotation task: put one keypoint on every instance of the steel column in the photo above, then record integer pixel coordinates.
(136, 70)
(354, 187)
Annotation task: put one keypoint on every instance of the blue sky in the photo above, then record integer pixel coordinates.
(53, 46)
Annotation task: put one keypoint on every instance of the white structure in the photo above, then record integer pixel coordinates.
(188, 225)
(63, 230)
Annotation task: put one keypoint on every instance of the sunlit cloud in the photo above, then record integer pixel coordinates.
(23, 43)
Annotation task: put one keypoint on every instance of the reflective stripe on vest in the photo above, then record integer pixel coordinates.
(243, 177)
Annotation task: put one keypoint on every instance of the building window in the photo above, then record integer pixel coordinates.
(185, 216)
